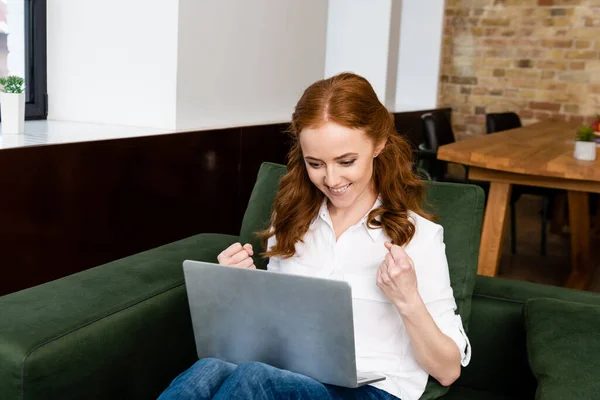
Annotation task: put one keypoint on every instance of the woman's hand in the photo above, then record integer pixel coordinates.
(237, 255)
(397, 279)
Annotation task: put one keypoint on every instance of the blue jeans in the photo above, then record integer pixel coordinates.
(210, 378)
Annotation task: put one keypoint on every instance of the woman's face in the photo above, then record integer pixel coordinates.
(339, 162)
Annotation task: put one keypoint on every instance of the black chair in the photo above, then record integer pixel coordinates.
(408, 125)
(437, 131)
(497, 122)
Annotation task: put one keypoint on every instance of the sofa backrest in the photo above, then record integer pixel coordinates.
(460, 211)
(258, 213)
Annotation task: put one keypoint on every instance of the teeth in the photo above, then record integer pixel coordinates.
(340, 190)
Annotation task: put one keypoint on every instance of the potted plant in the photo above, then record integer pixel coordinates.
(585, 145)
(12, 104)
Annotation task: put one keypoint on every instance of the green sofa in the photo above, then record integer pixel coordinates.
(122, 330)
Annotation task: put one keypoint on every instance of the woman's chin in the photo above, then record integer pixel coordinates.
(343, 201)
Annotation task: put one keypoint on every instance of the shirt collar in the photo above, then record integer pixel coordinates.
(322, 214)
(374, 233)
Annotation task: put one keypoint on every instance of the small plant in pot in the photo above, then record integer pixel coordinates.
(12, 104)
(585, 145)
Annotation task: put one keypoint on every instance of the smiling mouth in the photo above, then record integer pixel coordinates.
(339, 190)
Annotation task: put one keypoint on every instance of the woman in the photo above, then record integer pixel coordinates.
(349, 208)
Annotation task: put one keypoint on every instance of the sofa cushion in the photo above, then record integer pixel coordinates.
(118, 331)
(497, 335)
(563, 346)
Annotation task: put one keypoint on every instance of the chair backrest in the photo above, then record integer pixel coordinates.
(497, 122)
(437, 130)
(408, 124)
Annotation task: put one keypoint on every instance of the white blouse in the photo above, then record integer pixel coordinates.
(382, 343)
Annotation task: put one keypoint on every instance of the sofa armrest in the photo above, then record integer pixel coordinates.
(497, 333)
(120, 330)
(521, 291)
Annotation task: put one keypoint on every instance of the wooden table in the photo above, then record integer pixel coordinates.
(540, 154)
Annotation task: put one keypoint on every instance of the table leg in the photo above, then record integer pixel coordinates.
(579, 221)
(559, 216)
(596, 222)
(493, 228)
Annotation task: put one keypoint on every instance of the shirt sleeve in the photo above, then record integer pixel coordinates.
(434, 286)
(273, 264)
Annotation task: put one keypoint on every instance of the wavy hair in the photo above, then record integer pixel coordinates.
(350, 101)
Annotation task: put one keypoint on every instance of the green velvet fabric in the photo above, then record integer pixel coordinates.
(462, 393)
(258, 213)
(460, 211)
(499, 359)
(563, 343)
(521, 291)
(120, 330)
(497, 333)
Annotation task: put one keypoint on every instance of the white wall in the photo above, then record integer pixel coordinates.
(357, 40)
(113, 61)
(395, 44)
(15, 19)
(246, 62)
(191, 64)
(419, 60)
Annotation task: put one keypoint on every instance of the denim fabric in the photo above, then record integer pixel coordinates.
(210, 378)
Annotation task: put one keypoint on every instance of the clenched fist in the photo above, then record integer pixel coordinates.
(237, 255)
(396, 277)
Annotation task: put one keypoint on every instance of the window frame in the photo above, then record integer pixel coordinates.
(36, 80)
(36, 106)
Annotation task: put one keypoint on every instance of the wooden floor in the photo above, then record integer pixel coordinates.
(528, 264)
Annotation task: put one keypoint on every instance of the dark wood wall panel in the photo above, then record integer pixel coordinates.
(66, 208)
(69, 207)
(259, 144)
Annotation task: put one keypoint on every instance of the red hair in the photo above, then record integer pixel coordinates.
(350, 101)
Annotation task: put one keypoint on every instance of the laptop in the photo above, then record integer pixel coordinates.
(292, 322)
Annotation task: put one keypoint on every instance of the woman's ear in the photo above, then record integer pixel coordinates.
(379, 148)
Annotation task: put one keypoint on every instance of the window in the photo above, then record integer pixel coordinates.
(23, 50)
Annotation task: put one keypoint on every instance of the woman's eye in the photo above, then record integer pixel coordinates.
(347, 163)
(314, 165)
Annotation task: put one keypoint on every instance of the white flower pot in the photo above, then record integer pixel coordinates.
(12, 109)
(585, 151)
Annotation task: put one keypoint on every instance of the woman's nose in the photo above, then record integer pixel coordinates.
(331, 177)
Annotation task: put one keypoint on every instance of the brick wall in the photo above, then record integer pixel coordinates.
(540, 58)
